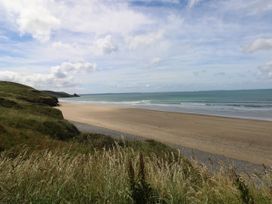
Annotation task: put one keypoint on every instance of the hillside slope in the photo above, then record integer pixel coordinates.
(27, 116)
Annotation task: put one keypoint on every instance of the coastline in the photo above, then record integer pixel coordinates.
(239, 139)
(243, 104)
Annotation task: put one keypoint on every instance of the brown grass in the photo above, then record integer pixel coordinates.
(122, 175)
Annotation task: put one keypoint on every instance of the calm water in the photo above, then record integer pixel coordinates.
(254, 104)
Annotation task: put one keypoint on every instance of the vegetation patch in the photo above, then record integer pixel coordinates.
(120, 175)
(28, 116)
(8, 103)
(2, 129)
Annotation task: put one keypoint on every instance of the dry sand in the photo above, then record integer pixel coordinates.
(248, 140)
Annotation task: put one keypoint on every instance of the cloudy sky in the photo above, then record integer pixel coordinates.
(94, 46)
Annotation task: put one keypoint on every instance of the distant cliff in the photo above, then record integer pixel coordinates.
(60, 94)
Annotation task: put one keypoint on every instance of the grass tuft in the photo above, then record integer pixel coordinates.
(141, 190)
(244, 190)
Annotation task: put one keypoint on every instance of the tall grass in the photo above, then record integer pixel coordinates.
(122, 175)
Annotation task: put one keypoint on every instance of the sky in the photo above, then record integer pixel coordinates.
(102, 46)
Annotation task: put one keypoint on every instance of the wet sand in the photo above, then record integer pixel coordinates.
(240, 139)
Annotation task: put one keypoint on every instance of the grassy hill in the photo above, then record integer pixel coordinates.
(45, 159)
(27, 117)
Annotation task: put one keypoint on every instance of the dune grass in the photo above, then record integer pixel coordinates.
(122, 174)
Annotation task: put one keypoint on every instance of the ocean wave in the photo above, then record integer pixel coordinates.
(173, 103)
(108, 102)
(241, 105)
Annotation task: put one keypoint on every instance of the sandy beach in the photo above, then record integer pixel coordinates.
(248, 140)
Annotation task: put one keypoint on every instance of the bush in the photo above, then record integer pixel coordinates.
(59, 129)
(96, 140)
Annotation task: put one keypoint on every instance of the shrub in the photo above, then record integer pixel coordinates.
(59, 129)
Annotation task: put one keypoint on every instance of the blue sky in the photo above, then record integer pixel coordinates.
(94, 46)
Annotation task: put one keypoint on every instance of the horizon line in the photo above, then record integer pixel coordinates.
(216, 90)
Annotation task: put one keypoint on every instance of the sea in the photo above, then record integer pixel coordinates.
(249, 104)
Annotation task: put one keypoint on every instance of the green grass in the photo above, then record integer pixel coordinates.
(27, 117)
(45, 159)
(22, 93)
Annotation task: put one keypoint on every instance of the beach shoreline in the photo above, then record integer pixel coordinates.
(164, 108)
(244, 104)
(240, 139)
(212, 161)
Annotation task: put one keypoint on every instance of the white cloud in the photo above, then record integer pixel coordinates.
(40, 17)
(66, 50)
(259, 44)
(68, 70)
(31, 17)
(9, 76)
(155, 61)
(266, 70)
(192, 3)
(38, 80)
(249, 7)
(105, 45)
(147, 85)
(144, 39)
(101, 17)
(60, 76)
(162, 1)
(61, 45)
